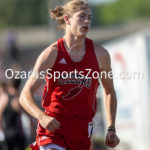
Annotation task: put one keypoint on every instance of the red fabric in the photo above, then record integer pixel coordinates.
(72, 135)
(34, 146)
(70, 98)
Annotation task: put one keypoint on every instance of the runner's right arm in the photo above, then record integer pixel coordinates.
(45, 61)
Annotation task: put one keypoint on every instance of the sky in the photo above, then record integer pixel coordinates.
(95, 2)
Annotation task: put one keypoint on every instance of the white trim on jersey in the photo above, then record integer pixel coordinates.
(45, 147)
(90, 129)
(46, 92)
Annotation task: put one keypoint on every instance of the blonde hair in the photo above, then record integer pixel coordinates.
(67, 9)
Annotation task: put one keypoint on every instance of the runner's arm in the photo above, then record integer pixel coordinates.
(110, 100)
(44, 61)
(109, 91)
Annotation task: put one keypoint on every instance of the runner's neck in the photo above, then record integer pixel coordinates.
(74, 44)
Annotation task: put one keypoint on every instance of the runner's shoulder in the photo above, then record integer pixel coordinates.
(100, 50)
(48, 56)
(102, 55)
(51, 50)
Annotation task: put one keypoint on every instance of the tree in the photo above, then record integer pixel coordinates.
(123, 10)
(23, 12)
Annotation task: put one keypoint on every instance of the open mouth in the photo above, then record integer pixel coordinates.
(85, 28)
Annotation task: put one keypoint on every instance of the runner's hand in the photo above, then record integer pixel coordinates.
(112, 139)
(49, 123)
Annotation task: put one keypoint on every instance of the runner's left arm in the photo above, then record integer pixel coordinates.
(110, 99)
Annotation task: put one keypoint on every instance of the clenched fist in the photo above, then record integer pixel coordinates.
(49, 123)
(112, 139)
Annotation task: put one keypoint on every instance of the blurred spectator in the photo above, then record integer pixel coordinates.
(2, 67)
(3, 103)
(12, 46)
(12, 125)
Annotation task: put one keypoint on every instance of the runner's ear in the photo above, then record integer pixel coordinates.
(66, 18)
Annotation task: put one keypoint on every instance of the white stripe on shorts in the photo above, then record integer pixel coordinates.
(45, 147)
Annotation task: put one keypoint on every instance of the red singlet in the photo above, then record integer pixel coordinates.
(71, 99)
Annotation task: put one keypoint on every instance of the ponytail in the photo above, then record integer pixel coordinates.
(58, 15)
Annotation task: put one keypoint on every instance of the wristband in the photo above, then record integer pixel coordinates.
(111, 128)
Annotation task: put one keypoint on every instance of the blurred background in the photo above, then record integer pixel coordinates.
(121, 26)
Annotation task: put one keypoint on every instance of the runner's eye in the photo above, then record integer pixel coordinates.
(82, 16)
(90, 17)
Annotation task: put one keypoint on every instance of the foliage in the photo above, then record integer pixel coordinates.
(122, 10)
(14, 13)
(23, 12)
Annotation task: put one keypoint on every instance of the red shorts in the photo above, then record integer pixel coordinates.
(74, 134)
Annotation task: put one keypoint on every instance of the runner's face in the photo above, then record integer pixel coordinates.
(80, 22)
